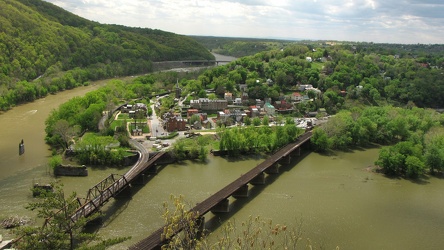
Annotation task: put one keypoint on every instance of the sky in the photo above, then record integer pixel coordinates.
(379, 21)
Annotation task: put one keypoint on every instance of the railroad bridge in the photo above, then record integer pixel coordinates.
(115, 185)
(219, 202)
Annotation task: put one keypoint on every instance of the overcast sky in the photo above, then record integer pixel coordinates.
(391, 21)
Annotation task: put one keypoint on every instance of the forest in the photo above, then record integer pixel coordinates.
(45, 49)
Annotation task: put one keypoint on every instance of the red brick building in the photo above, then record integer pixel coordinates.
(175, 124)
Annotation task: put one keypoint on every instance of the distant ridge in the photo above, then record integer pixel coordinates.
(39, 37)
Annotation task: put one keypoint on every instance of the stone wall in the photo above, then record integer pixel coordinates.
(70, 170)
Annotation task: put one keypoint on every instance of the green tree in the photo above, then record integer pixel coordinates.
(256, 121)
(55, 161)
(415, 167)
(254, 233)
(320, 140)
(247, 121)
(58, 231)
(265, 121)
(195, 119)
(65, 131)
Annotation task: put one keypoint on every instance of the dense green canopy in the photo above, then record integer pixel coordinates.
(39, 40)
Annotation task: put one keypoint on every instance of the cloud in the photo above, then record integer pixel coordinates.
(400, 21)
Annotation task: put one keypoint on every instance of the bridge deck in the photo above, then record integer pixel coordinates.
(116, 187)
(154, 240)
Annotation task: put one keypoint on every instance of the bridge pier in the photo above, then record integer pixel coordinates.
(296, 152)
(285, 160)
(125, 193)
(142, 179)
(200, 222)
(152, 169)
(259, 179)
(222, 207)
(273, 169)
(242, 192)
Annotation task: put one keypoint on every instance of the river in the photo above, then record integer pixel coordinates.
(337, 200)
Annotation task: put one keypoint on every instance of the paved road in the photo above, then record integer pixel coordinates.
(156, 127)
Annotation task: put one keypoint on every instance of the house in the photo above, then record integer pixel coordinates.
(316, 90)
(196, 125)
(206, 124)
(223, 115)
(309, 59)
(237, 101)
(244, 98)
(296, 97)
(283, 106)
(254, 111)
(238, 115)
(259, 103)
(243, 87)
(191, 112)
(302, 87)
(228, 96)
(141, 106)
(269, 109)
(136, 132)
(203, 116)
(312, 114)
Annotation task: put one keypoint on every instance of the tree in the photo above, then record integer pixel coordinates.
(65, 131)
(256, 121)
(55, 161)
(58, 231)
(265, 121)
(247, 121)
(320, 140)
(254, 233)
(415, 167)
(195, 119)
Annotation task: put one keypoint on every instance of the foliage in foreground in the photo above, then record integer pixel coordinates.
(254, 233)
(58, 230)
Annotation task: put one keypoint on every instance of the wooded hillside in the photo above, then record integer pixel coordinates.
(39, 39)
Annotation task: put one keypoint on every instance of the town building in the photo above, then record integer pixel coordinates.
(296, 97)
(259, 103)
(237, 101)
(191, 112)
(254, 111)
(175, 123)
(207, 104)
(269, 109)
(229, 97)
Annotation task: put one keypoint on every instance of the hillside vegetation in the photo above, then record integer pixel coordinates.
(39, 40)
